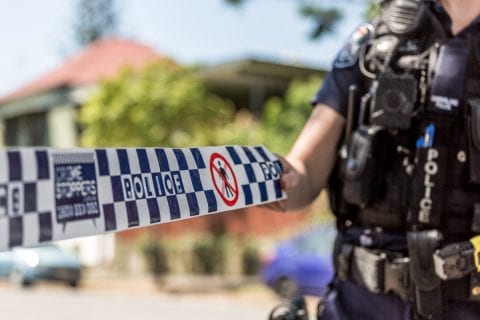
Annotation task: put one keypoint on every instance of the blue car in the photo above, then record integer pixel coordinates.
(302, 264)
(25, 266)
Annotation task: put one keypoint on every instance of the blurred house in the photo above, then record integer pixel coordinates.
(250, 82)
(43, 113)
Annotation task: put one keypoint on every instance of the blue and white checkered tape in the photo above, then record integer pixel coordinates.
(55, 194)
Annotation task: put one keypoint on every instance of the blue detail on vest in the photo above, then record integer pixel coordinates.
(426, 141)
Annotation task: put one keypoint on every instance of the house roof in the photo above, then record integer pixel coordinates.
(236, 79)
(100, 60)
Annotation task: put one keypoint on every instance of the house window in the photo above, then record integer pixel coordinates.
(27, 130)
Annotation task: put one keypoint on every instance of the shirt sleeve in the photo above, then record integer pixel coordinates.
(334, 91)
(345, 72)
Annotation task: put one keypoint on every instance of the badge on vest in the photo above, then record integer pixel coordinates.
(449, 77)
(350, 52)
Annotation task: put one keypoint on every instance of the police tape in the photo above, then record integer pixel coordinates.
(54, 194)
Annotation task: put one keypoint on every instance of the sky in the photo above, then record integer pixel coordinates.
(36, 36)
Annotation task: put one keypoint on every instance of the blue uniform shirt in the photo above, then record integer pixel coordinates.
(345, 71)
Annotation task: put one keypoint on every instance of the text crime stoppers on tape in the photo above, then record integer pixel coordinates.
(53, 194)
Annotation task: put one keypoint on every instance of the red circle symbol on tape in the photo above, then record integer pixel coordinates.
(224, 179)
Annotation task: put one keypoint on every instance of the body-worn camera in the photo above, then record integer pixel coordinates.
(394, 101)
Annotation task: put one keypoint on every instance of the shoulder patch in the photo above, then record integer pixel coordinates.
(350, 52)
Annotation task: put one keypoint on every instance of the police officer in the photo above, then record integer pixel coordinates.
(395, 136)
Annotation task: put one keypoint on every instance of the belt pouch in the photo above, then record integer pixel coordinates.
(363, 166)
(474, 141)
(428, 295)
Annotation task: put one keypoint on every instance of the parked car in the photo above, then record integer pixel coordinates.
(25, 266)
(302, 264)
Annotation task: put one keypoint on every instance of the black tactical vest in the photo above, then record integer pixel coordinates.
(424, 172)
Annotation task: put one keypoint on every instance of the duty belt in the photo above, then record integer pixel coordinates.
(375, 270)
(384, 272)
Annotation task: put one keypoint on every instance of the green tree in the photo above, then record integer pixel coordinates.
(323, 17)
(243, 129)
(162, 105)
(94, 20)
(283, 118)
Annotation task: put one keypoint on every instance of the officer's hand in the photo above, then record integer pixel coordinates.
(289, 179)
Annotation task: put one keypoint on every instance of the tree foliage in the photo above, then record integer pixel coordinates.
(283, 118)
(323, 18)
(167, 105)
(162, 105)
(94, 20)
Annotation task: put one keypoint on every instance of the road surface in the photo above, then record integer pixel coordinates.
(52, 303)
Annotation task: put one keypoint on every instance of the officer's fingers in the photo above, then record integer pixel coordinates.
(290, 180)
(290, 177)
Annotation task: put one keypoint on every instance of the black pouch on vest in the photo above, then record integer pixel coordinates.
(363, 167)
(474, 141)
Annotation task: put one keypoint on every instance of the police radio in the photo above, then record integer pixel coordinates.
(397, 61)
